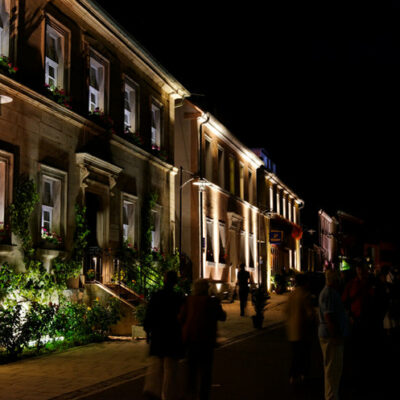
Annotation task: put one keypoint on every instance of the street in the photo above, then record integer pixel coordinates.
(257, 367)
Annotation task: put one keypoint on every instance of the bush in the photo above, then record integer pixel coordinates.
(13, 333)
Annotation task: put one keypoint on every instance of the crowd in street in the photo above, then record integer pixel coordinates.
(356, 314)
(181, 328)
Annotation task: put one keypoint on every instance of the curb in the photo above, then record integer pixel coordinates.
(141, 372)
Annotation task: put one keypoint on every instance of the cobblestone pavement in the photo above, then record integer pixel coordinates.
(83, 370)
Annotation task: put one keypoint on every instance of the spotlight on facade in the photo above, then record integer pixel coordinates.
(201, 183)
(5, 99)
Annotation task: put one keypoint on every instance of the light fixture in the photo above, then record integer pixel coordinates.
(201, 183)
(5, 99)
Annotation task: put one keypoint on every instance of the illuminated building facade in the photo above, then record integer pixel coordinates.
(231, 200)
(91, 122)
(279, 221)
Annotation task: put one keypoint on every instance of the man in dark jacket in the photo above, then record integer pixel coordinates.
(243, 281)
(164, 334)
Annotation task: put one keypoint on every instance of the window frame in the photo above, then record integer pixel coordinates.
(156, 138)
(59, 32)
(5, 30)
(56, 177)
(134, 87)
(7, 159)
(102, 67)
(132, 225)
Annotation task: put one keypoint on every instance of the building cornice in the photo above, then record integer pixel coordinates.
(142, 154)
(109, 29)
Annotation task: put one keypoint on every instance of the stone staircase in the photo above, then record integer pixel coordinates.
(125, 293)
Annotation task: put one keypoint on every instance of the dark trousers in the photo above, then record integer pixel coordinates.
(300, 358)
(243, 295)
(200, 359)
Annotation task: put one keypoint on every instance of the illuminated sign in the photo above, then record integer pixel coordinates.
(275, 237)
(344, 265)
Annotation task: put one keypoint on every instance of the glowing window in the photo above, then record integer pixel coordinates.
(4, 27)
(155, 126)
(130, 107)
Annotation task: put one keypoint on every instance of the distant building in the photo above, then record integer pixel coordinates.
(328, 238)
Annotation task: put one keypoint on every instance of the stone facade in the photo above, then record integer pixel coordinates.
(109, 162)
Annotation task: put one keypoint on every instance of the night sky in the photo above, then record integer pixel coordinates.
(317, 85)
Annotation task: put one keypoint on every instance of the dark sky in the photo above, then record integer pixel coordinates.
(317, 85)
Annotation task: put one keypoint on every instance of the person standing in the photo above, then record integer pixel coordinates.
(199, 316)
(300, 323)
(243, 281)
(164, 334)
(332, 330)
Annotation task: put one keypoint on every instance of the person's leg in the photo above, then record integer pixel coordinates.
(205, 372)
(153, 378)
(333, 366)
(170, 381)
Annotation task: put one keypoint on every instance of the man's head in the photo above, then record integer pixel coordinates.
(200, 287)
(242, 266)
(331, 278)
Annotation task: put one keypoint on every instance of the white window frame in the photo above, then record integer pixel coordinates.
(57, 66)
(156, 128)
(5, 29)
(6, 182)
(45, 209)
(101, 67)
(61, 35)
(156, 232)
(129, 230)
(58, 203)
(130, 116)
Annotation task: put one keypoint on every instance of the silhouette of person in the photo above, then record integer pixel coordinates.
(243, 280)
(164, 334)
(199, 316)
(300, 323)
(332, 330)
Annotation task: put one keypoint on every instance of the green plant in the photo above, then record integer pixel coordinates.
(140, 313)
(98, 117)
(58, 95)
(51, 237)
(25, 200)
(6, 66)
(13, 333)
(100, 317)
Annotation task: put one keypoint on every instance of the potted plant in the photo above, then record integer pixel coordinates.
(260, 297)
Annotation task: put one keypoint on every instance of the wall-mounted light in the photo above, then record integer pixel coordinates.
(5, 99)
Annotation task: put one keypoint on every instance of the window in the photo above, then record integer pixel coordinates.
(130, 107)
(271, 197)
(210, 244)
(98, 78)
(4, 27)
(155, 127)
(221, 167)
(208, 160)
(250, 183)
(232, 175)
(53, 202)
(251, 246)
(241, 181)
(155, 230)
(222, 244)
(6, 175)
(128, 221)
(54, 73)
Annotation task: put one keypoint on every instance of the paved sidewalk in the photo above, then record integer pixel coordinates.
(78, 371)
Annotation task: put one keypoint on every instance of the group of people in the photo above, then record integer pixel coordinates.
(179, 328)
(356, 310)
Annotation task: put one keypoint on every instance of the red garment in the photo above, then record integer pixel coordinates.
(199, 318)
(357, 294)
